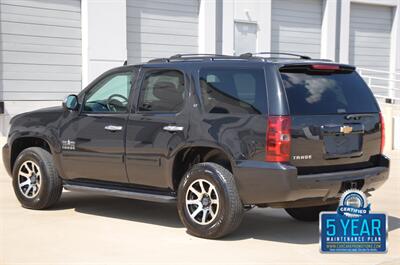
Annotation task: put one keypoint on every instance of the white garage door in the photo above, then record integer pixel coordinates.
(40, 52)
(296, 26)
(370, 28)
(161, 28)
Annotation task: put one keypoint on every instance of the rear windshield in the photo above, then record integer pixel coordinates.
(327, 93)
(239, 91)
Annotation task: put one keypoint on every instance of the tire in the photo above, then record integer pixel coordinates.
(223, 201)
(310, 214)
(35, 167)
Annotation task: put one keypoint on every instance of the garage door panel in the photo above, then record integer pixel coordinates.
(70, 5)
(25, 68)
(40, 20)
(279, 12)
(40, 51)
(290, 29)
(10, 46)
(377, 21)
(161, 30)
(163, 38)
(370, 38)
(36, 40)
(137, 23)
(191, 3)
(371, 27)
(299, 20)
(22, 10)
(367, 41)
(161, 6)
(160, 15)
(309, 6)
(36, 96)
(19, 75)
(309, 47)
(296, 26)
(32, 86)
(368, 11)
(40, 30)
(37, 58)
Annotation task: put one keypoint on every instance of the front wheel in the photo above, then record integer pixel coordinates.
(208, 201)
(310, 214)
(35, 179)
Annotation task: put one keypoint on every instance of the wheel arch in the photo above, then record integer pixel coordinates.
(190, 155)
(21, 143)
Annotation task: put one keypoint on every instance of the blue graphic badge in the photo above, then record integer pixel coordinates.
(353, 228)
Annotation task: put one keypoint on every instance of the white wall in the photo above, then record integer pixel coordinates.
(103, 37)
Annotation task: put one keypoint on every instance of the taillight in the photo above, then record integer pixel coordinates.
(382, 132)
(278, 139)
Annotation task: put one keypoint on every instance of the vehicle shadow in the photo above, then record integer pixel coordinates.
(259, 223)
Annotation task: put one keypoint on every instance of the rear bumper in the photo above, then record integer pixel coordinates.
(278, 185)
(6, 158)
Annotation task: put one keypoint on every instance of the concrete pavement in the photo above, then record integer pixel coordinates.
(92, 229)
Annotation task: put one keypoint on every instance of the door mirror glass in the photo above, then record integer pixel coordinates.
(71, 102)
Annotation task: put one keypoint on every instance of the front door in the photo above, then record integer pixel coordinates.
(158, 127)
(93, 139)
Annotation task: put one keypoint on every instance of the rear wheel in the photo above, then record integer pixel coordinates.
(208, 201)
(310, 214)
(35, 179)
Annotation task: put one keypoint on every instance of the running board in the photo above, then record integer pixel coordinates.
(137, 194)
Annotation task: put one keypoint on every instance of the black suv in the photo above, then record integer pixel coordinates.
(217, 134)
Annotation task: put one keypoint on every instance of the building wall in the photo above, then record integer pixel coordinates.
(105, 38)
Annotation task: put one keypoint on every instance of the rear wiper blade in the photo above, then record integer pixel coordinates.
(358, 116)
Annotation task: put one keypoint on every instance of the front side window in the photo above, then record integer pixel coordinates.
(162, 91)
(234, 91)
(110, 95)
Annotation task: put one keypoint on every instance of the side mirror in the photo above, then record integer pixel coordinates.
(70, 102)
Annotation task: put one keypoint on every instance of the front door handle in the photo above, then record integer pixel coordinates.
(113, 128)
(173, 128)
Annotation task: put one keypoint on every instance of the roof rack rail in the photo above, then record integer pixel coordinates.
(249, 55)
(158, 60)
(206, 55)
(192, 56)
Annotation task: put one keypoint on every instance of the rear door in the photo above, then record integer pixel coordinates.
(157, 128)
(335, 118)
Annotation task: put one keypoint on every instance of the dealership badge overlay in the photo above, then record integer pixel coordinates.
(352, 228)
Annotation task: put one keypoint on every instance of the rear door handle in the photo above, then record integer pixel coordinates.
(173, 128)
(113, 128)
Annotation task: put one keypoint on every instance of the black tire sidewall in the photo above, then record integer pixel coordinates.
(213, 229)
(45, 188)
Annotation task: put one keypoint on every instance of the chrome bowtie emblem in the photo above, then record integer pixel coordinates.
(346, 129)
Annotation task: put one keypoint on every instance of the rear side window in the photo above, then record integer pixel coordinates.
(238, 91)
(327, 93)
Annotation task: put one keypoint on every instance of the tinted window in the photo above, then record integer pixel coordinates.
(162, 91)
(233, 90)
(343, 92)
(110, 95)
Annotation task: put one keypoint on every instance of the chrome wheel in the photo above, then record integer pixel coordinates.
(29, 179)
(202, 201)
